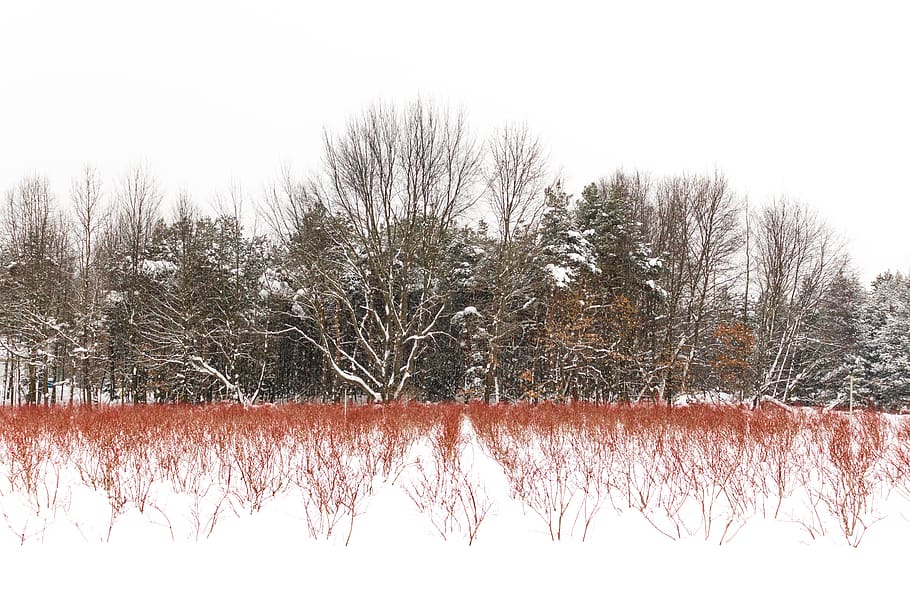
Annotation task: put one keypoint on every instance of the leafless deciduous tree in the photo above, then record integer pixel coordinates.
(91, 218)
(515, 180)
(137, 201)
(796, 257)
(393, 186)
(36, 277)
(697, 231)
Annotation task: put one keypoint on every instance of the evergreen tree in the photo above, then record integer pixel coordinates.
(832, 350)
(886, 350)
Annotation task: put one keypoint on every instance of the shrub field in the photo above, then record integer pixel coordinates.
(695, 471)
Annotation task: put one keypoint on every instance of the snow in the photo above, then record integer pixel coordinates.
(272, 569)
(561, 276)
(157, 268)
(716, 397)
(654, 262)
(460, 316)
(661, 292)
(271, 285)
(114, 297)
(396, 557)
(579, 259)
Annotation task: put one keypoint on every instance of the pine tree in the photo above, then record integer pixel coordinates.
(832, 349)
(886, 350)
(621, 294)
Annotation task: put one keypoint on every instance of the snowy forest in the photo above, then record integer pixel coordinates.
(421, 261)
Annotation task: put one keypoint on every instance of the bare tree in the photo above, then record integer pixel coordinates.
(796, 256)
(289, 206)
(515, 182)
(515, 179)
(697, 232)
(37, 281)
(394, 184)
(91, 217)
(137, 200)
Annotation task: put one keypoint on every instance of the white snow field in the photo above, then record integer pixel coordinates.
(63, 541)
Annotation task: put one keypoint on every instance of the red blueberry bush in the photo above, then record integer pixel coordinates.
(698, 470)
(443, 484)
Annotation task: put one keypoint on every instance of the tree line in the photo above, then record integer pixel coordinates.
(421, 262)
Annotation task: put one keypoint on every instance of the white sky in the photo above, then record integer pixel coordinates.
(804, 99)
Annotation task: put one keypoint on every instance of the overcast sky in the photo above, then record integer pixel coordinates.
(808, 100)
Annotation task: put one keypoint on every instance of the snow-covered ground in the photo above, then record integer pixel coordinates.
(396, 559)
(392, 563)
(397, 556)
